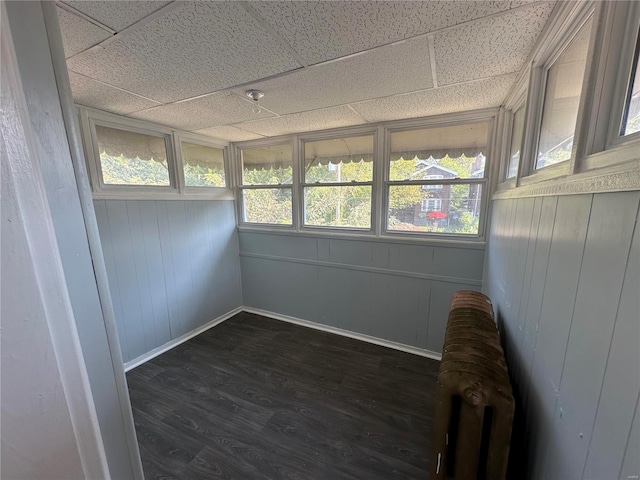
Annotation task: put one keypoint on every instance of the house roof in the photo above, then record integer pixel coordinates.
(321, 65)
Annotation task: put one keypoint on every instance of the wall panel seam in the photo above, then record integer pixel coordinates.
(397, 273)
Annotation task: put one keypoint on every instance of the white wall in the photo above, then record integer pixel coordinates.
(49, 424)
(395, 291)
(563, 273)
(35, 53)
(172, 265)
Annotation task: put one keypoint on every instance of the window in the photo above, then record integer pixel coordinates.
(338, 182)
(435, 179)
(203, 165)
(631, 119)
(561, 101)
(515, 143)
(132, 158)
(266, 184)
(431, 205)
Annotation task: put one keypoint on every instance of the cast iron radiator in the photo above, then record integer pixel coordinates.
(474, 411)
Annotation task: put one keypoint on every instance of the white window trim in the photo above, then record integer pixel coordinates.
(380, 185)
(89, 117)
(576, 19)
(485, 181)
(240, 187)
(302, 139)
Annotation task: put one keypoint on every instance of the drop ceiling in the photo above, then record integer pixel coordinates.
(321, 64)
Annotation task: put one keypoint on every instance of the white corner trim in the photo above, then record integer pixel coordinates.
(131, 364)
(346, 333)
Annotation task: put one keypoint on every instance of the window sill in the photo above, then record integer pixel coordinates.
(211, 194)
(470, 242)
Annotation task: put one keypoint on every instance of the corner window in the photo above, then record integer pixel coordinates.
(203, 165)
(435, 179)
(515, 145)
(631, 119)
(338, 182)
(132, 158)
(266, 184)
(561, 101)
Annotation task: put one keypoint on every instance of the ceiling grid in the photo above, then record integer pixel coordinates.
(320, 64)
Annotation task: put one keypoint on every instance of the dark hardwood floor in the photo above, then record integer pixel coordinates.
(256, 398)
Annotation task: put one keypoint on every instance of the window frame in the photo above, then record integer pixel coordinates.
(178, 138)
(628, 59)
(484, 181)
(537, 95)
(333, 135)
(176, 190)
(240, 187)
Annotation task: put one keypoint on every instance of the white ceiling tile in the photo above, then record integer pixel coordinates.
(322, 119)
(78, 34)
(382, 72)
(489, 47)
(210, 111)
(87, 91)
(117, 15)
(485, 93)
(197, 48)
(325, 30)
(229, 133)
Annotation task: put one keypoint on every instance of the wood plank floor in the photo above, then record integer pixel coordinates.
(256, 398)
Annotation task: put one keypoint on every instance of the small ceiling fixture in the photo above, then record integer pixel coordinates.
(255, 95)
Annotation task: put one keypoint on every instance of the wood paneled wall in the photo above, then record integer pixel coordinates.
(393, 291)
(172, 267)
(563, 273)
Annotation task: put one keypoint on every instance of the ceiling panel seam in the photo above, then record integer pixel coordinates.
(354, 111)
(130, 29)
(120, 89)
(274, 34)
(86, 17)
(432, 59)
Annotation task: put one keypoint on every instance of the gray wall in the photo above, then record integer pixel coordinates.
(563, 273)
(394, 291)
(33, 52)
(172, 267)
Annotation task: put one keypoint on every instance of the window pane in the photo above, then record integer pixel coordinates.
(456, 151)
(632, 112)
(516, 142)
(450, 209)
(203, 166)
(561, 101)
(130, 158)
(338, 206)
(272, 205)
(339, 160)
(267, 165)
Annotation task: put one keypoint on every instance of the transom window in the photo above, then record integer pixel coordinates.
(631, 119)
(561, 101)
(132, 158)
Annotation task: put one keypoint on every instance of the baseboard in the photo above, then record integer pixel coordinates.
(181, 339)
(346, 333)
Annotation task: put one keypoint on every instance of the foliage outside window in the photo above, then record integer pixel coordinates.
(631, 120)
(267, 178)
(561, 101)
(131, 158)
(515, 143)
(203, 165)
(338, 182)
(435, 179)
